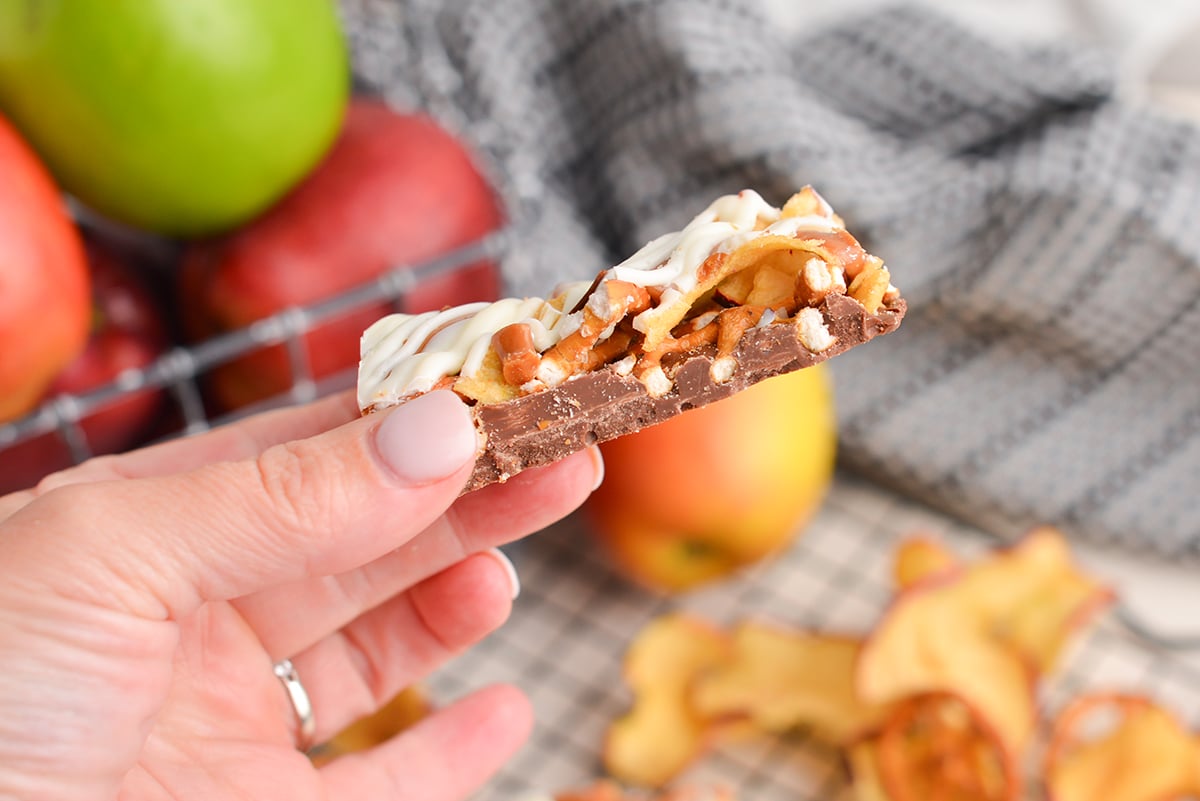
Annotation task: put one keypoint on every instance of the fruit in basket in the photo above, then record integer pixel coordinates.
(695, 498)
(178, 117)
(395, 189)
(43, 278)
(127, 332)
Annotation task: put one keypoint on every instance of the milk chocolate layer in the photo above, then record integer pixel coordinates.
(592, 407)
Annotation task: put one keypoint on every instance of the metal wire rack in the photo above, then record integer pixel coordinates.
(178, 371)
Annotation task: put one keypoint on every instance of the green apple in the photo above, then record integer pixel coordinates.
(183, 117)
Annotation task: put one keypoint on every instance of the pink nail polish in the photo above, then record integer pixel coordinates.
(427, 439)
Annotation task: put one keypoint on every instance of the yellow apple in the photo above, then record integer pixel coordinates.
(695, 498)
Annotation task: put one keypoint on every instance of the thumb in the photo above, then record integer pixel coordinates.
(159, 547)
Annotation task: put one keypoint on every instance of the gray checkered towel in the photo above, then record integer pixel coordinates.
(1046, 235)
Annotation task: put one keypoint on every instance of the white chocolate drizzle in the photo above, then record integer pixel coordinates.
(406, 354)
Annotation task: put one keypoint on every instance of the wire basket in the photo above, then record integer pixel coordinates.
(410, 70)
(179, 370)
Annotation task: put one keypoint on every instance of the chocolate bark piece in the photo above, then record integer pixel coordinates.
(541, 428)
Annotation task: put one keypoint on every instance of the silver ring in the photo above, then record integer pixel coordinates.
(306, 724)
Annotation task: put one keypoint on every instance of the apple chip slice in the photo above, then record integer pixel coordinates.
(608, 790)
(603, 790)
(919, 558)
(407, 708)
(1034, 598)
(782, 679)
(1120, 748)
(758, 260)
(661, 734)
(862, 760)
(937, 746)
(933, 639)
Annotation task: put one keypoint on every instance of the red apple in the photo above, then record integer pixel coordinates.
(395, 189)
(127, 332)
(43, 278)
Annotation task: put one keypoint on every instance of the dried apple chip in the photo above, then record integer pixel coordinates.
(1033, 597)
(936, 746)
(603, 790)
(661, 734)
(487, 385)
(767, 252)
(607, 790)
(807, 203)
(405, 709)
(769, 284)
(863, 762)
(780, 272)
(1119, 748)
(782, 679)
(919, 558)
(933, 640)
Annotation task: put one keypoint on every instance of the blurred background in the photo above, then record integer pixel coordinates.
(204, 204)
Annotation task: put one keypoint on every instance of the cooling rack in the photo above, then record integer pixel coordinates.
(564, 643)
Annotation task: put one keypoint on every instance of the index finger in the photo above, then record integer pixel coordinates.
(240, 440)
(160, 546)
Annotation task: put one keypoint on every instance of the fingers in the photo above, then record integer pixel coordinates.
(159, 547)
(354, 671)
(443, 758)
(242, 440)
(10, 503)
(291, 617)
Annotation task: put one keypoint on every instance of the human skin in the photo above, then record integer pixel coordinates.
(144, 598)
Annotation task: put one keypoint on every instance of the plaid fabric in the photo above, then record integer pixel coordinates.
(1046, 236)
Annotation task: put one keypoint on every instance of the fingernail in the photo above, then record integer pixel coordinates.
(514, 581)
(598, 462)
(427, 438)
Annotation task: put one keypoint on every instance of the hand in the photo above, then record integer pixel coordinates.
(144, 599)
